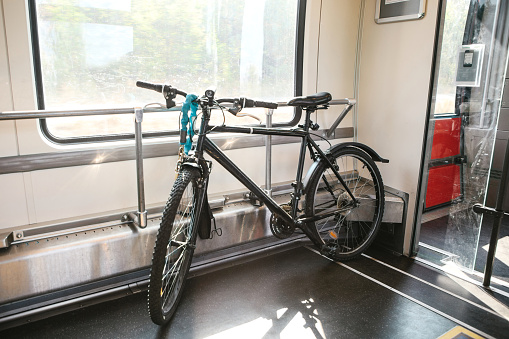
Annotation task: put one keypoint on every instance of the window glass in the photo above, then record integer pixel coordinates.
(453, 31)
(91, 52)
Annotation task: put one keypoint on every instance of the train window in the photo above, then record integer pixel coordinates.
(453, 32)
(89, 54)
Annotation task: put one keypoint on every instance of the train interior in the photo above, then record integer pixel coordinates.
(88, 161)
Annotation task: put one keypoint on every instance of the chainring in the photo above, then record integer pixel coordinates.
(279, 229)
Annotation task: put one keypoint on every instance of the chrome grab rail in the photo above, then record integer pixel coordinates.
(268, 153)
(42, 114)
(139, 218)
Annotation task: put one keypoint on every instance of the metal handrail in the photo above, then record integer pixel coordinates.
(42, 114)
(139, 218)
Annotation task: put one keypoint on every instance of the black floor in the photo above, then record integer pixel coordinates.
(434, 233)
(294, 294)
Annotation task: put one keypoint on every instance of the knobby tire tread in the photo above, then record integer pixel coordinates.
(185, 178)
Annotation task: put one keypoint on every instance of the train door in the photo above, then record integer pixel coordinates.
(464, 107)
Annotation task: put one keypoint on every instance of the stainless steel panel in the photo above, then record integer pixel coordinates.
(36, 267)
(51, 264)
(41, 266)
(393, 210)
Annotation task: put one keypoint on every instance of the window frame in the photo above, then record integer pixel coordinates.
(39, 88)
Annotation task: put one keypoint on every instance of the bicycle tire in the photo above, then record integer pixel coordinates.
(349, 231)
(174, 247)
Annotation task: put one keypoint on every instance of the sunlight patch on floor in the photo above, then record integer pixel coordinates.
(280, 312)
(253, 329)
(458, 276)
(502, 252)
(298, 328)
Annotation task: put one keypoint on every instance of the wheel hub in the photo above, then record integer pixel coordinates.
(345, 201)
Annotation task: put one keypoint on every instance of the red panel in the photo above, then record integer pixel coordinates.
(443, 185)
(446, 138)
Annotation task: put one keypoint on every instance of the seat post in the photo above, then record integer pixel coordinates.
(297, 184)
(307, 121)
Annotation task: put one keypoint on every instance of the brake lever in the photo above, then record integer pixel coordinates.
(170, 94)
(234, 110)
(251, 116)
(237, 107)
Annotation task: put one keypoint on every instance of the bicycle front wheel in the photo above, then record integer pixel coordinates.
(174, 247)
(347, 226)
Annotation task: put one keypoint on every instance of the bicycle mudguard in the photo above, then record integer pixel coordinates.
(371, 152)
(365, 148)
(205, 221)
(206, 215)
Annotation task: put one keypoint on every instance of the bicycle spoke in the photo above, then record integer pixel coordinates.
(354, 222)
(175, 245)
(173, 281)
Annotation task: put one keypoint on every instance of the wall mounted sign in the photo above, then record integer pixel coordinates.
(399, 10)
(470, 60)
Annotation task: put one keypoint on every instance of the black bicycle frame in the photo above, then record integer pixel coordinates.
(205, 144)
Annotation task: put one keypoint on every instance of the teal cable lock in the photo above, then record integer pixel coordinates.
(187, 129)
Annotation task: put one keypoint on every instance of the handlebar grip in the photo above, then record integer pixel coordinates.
(265, 104)
(148, 85)
(184, 94)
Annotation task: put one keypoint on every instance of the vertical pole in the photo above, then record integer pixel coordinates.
(268, 154)
(141, 214)
(497, 222)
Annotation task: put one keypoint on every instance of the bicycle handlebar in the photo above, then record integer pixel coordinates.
(266, 104)
(238, 103)
(147, 85)
(159, 87)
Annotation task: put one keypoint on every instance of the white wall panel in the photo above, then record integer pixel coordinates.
(311, 34)
(250, 160)
(8, 143)
(20, 54)
(74, 191)
(339, 27)
(12, 200)
(159, 174)
(395, 74)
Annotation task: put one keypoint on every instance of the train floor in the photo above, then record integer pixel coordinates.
(434, 233)
(298, 293)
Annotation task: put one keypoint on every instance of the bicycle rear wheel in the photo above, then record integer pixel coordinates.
(174, 247)
(348, 226)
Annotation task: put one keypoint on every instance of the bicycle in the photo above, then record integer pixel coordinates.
(343, 194)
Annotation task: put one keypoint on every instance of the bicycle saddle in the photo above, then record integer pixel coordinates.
(321, 98)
